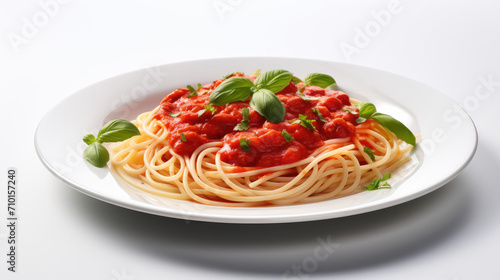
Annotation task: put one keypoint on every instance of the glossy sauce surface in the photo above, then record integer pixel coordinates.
(268, 147)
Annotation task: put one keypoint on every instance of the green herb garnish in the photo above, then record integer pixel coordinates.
(192, 90)
(263, 92)
(287, 136)
(320, 80)
(375, 184)
(208, 107)
(89, 139)
(245, 122)
(366, 110)
(274, 80)
(183, 137)
(174, 114)
(263, 99)
(266, 103)
(113, 131)
(96, 154)
(396, 127)
(320, 116)
(116, 131)
(245, 144)
(231, 90)
(305, 122)
(296, 80)
(369, 111)
(369, 153)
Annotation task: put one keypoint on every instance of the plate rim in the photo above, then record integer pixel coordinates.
(199, 216)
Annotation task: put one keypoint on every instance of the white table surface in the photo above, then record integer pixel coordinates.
(451, 233)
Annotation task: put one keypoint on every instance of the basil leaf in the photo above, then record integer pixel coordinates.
(274, 80)
(183, 137)
(210, 108)
(287, 135)
(245, 122)
(245, 114)
(113, 131)
(231, 90)
(320, 116)
(245, 144)
(366, 109)
(320, 80)
(375, 184)
(369, 153)
(117, 130)
(369, 111)
(296, 80)
(305, 122)
(96, 154)
(174, 114)
(266, 103)
(386, 177)
(192, 90)
(89, 139)
(242, 126)
(396, 127)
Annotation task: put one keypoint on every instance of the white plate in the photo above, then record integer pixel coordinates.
(448, 136)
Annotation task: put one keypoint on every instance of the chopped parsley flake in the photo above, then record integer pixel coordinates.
(375, 184)
(245, 144)
(245, 123)
(369, 153)
(183, 137)
(318, 113)
(305, 122)
(287, 136)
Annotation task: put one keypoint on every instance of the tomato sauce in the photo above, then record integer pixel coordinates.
(268, 147)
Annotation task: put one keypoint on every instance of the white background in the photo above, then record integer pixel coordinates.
(450, 234)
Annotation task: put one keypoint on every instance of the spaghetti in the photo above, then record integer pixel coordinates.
(339, 166)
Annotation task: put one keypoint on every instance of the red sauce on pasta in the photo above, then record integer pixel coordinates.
(189, 128)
